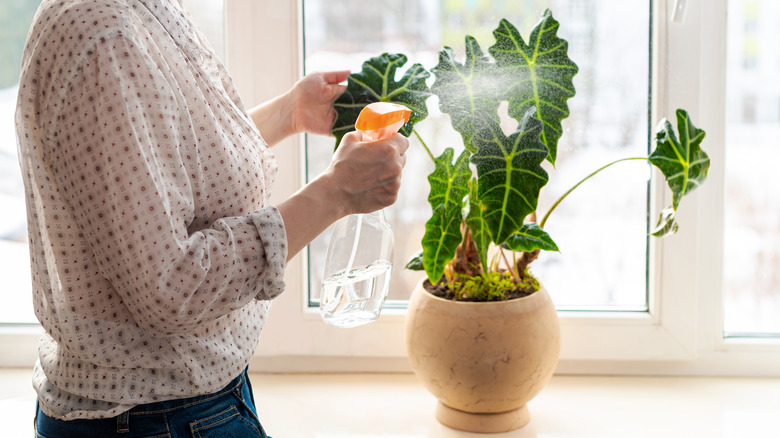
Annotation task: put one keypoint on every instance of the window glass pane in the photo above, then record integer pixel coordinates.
(15, 20)
(601, 228)
(752, 210)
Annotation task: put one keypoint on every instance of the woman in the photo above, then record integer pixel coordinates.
(155, 250)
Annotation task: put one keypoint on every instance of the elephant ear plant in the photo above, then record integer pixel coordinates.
(473, 215)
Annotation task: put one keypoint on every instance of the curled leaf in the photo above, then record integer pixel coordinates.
(667, 223)
(529, 238)
(415, 263)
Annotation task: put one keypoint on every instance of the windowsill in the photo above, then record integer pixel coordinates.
(395, 405)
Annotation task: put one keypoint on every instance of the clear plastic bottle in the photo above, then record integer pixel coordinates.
(358, 266)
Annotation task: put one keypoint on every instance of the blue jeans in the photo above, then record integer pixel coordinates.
(227, 413)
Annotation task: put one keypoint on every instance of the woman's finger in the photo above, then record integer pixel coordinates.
(335, 77)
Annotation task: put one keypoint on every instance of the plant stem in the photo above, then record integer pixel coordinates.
(424, 145)
(511, 267)
(494, 264)
(544, 219)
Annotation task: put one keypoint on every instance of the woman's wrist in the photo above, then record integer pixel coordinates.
(324, 190)
(310, 211)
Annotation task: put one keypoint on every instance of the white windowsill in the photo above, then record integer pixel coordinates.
(395, 405)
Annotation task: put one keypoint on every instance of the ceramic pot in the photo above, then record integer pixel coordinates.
(483, 361)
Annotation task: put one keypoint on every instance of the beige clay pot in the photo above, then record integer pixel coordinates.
(483, 361)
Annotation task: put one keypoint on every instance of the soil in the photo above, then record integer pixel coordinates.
(442, 290)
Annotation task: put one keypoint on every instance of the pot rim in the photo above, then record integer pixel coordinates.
(483, 303)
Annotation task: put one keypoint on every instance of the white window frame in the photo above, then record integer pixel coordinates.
(682, 333)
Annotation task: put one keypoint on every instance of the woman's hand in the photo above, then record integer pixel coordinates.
(366, 176)
(362, 177)
(306, 107)
(312, 101)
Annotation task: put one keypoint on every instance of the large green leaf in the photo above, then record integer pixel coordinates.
(536, 75)
(682, 161)
(468, 91)
(529, 238)
(510, 175)
(475, 221)
(449, 185)
(376, 82)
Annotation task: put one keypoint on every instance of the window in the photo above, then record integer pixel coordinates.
(614, 73)
(752, 210)
(681, 329)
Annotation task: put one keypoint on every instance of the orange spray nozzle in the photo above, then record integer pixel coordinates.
(380, 120)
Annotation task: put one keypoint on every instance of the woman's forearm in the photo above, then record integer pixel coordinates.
(274, 119)
(308, 212)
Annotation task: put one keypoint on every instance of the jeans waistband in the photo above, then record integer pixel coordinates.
(231, 408)
(182, 403)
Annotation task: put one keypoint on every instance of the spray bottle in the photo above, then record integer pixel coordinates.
(358, 265)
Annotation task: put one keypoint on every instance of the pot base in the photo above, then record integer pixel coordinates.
(482, 423)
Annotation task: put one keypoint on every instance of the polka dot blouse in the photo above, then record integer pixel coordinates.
(153, 244)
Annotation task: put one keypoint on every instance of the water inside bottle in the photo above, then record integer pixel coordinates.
(354, 298)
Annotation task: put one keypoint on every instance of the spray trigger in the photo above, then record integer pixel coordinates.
(380, 120)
